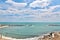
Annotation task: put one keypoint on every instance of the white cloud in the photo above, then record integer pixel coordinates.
(54, 7)
(40, 3)
(12, 13)
(9, 1)
(16, 5)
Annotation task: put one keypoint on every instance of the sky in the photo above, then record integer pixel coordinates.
(29, 10)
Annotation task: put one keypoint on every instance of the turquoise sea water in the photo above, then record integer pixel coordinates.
(28, 29)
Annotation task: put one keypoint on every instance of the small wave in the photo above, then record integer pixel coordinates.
(35, 38)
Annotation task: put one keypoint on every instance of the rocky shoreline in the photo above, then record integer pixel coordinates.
(3, 26)
(51, 36)
(48, 36)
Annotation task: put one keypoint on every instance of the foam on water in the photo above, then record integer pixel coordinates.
(35, 38)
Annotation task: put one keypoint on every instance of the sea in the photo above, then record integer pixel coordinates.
(23, 30)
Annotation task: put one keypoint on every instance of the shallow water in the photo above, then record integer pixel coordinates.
(28, 29)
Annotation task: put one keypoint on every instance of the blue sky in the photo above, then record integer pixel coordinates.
(29, 10)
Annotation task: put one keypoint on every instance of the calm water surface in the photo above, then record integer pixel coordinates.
(28, 29)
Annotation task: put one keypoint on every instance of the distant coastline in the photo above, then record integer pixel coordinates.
(54, 25)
